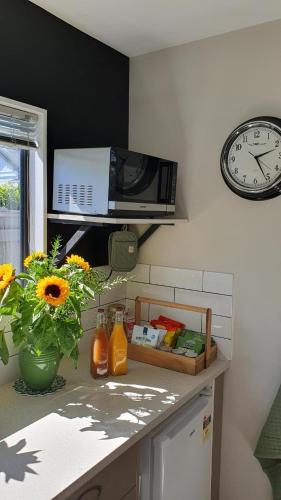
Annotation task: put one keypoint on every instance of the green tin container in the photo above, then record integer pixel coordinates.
(38, 372)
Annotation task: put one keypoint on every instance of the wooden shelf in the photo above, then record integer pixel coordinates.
(89, 219)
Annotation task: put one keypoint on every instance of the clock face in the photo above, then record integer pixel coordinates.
(251, 159)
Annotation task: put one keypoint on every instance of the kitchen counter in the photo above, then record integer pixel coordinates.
(49, 443)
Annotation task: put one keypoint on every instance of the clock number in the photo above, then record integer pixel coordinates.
(233, 158)
(276, 143)
(238, 147)
(276, 168)
(245, 138)
(236, 171)
(244, 178)
(257, 134)
(280, 155)
(267, 177)
(255, 181)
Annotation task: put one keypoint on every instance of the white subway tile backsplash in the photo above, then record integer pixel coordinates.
(151, 291)
(85, 342)
(218, 283)
(113, 295)
(9, 372)
(11, 347)
(220, 304)
(93, 303)
(140, 273)
(130, 306)
(191, 320)
(224, 348)
(5, 325)
(179, 278)
(221, 326)
(89, 318)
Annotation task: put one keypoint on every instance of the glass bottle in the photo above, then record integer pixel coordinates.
(118, 347)
(99, 348)
(111, 314)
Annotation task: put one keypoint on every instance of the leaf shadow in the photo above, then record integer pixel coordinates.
(123, 411)
(15, 464)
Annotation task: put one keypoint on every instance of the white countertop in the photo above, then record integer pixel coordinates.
(48, 443)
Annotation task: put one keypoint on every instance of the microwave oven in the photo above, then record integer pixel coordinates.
(113, 181)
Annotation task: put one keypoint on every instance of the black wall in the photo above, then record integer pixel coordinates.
(83, 84)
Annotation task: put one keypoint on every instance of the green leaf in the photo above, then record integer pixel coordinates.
(76, 306)
(89, 291)
(4, 353)
(37, 310)
(75, 355)
(24, 276)
(19, 334)
(68, 332)
(42, 333)
(56, 245)
(10, 300)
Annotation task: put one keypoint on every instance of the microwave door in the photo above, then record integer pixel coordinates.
(135, 175)
(134, 185)
(140, 183)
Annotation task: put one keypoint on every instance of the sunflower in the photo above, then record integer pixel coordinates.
(53, 290)
(79, 261)
(34, 256)
(7, 275)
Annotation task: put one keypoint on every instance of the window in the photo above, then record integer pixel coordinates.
(14, 239)
(22, 181)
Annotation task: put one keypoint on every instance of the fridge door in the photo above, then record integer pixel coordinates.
(179, 457)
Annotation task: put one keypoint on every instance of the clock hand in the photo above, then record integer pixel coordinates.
(266, 153)
(265, 165)
(260, 167)
(258, 162)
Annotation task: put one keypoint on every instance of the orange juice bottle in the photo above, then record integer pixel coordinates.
(99, 348)
(118, 346)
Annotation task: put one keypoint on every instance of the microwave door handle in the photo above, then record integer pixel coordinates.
(164, 178)
(170, 174)
(172, 182)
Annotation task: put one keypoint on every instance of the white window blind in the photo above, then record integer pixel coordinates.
(18, 128)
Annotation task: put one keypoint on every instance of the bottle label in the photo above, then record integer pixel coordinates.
(102, 369)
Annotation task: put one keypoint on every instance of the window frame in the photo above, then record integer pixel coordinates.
(37, 180)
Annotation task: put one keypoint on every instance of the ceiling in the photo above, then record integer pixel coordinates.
(139, 26)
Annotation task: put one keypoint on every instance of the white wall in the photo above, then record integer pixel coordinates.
(184, 102)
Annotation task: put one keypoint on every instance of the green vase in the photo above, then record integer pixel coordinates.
(38, 372)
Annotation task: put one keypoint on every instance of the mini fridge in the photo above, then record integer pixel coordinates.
(176, 459)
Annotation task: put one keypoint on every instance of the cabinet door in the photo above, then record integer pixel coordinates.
(114, 482)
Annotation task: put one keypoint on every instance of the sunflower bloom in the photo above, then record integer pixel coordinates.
(53, 290)
(34, 256)
(79, 261)
(7, 275)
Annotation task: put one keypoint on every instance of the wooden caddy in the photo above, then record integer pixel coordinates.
(171, 361)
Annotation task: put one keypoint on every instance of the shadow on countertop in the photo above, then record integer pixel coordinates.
(14, 464)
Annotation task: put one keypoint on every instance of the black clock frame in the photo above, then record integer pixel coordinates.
(273, 191)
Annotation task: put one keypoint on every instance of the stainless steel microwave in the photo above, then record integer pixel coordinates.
(113, 181)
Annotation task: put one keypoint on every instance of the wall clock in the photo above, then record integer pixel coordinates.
(251, 159)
